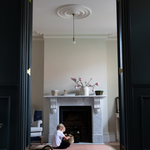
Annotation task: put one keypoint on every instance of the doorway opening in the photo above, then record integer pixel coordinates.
(56, 60)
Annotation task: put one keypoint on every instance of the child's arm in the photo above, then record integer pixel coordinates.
(66, 137)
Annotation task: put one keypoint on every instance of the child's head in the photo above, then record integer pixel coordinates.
(61, 127)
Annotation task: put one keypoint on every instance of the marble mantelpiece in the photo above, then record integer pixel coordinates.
(51, 113)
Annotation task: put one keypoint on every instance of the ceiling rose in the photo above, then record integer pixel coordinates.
(80, 12)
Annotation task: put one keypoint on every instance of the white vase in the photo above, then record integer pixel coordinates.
(84, 90)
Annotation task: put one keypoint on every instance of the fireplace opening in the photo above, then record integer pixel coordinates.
(78, 122)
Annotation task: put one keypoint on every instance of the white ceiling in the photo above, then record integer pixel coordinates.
(102, 21)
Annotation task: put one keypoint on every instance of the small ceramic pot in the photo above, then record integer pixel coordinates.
(98, 92)
(54, 92)
(84, 90)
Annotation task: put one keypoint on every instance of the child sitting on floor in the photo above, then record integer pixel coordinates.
(58, 136)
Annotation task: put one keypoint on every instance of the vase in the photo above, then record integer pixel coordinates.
(84, 90)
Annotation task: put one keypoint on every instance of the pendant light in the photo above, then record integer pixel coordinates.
(73, 11)
(74, 42)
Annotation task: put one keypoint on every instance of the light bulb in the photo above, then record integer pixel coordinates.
(74, 42)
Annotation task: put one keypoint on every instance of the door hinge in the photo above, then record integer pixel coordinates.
(122, 147)
(120, 70)
(29, 71)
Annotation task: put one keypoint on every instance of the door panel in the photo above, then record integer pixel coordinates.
(145, 105)
(4, 122)
(141, 120)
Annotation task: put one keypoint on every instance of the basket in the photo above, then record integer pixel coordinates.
(71, 139)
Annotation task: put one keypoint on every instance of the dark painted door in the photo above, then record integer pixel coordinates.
(15, 60)
(4, 122)
(135, 15)
(9, 73)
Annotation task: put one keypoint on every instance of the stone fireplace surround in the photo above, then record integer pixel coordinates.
(51, 113)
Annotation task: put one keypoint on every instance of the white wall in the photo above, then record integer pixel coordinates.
(112, 85)
(37, 73)
(63, 60)
(96, 58)
(86, 58)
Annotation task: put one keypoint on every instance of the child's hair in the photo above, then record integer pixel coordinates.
(61, 126)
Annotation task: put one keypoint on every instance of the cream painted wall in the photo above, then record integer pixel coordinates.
(112, 83)
(57, 60)
(86, 58)
(63, 60)
(37, 73)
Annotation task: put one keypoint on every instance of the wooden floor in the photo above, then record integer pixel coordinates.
(105, 146)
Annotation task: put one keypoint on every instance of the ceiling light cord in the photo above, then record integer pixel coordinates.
(74, 42)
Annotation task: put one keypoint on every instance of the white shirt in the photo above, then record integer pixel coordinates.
(57, 138)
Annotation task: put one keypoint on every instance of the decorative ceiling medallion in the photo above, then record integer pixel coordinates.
(80, 12)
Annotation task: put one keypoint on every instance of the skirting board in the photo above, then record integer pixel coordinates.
(112, 136)
(106, 137)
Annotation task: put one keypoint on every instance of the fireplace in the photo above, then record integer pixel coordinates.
(57, 108)
(77, 118)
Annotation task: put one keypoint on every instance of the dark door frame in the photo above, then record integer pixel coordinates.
(25, 61)
(120, 73)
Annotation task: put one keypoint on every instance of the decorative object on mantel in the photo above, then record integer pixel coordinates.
(84, 88)
(73, 11)
(54, 92)
(99, 92)
(65, 92)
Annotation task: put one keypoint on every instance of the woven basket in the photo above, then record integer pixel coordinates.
(71, 139)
